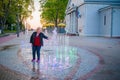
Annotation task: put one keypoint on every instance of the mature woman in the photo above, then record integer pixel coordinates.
(37, 41)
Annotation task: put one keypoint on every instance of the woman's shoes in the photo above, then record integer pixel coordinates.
(33, 60)
(38, 61)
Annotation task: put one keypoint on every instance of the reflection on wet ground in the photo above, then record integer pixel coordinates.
(2, 48)
(54, 60)
(60, 62)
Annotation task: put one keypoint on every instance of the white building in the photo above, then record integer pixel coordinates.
(93, 17)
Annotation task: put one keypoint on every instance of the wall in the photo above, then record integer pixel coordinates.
(105, 30)
(81, 19)
(116, 22)
(71, 19)
(92, 21)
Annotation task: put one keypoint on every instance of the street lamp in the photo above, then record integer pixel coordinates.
(18, 25)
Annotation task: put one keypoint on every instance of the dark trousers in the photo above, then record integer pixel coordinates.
(34, 49)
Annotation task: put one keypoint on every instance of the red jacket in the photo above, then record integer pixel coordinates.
(41, 36)
(37, 41)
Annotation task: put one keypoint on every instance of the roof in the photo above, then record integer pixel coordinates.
(105, 2)
(108, 7)
(116, 2)
(102, 0)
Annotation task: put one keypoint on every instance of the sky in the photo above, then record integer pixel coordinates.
(35, 21)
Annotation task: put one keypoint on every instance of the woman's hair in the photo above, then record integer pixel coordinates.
(39, 28)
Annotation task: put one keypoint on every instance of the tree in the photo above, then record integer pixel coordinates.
(4, 9)
(10, 8)
(53, 10)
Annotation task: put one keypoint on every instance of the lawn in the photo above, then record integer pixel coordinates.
(10, 31)
(7, 32)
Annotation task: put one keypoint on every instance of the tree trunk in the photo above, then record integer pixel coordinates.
(3, 21)
(56, 19)
(2, 28)
(56, 24)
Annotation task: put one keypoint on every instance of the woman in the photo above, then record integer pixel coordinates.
(37, 41)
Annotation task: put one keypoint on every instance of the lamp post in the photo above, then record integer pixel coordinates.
(18, 25)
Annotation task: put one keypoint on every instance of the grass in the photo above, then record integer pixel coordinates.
(9, 31)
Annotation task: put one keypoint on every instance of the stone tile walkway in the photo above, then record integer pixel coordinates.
(8, 74)
(67, 61)
(7, 38)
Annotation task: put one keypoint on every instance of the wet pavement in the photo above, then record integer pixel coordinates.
(65, 58)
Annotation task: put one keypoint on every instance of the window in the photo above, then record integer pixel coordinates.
(104, 20)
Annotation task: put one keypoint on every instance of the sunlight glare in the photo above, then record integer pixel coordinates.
(34, 22)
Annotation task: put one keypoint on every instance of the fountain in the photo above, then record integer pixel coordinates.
(57, 56)
(57, 52)
(54, 40)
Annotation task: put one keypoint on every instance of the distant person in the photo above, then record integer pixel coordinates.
(37, 41)
(26, 31)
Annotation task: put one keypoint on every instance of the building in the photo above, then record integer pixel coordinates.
(93, 17)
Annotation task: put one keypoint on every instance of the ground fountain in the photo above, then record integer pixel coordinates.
(57, 56)
(56, 50)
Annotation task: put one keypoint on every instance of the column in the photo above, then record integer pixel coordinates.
(70, 23)
(73, 22)
(76, 22)
(67, 23)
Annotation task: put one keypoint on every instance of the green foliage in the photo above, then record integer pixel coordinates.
(10, 8)
(10, 31)
(53, 10)
(11, 19)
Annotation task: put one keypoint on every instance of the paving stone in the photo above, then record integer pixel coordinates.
(7, 74)
(89, 58)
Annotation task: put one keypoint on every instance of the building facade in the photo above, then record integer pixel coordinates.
(93, 17)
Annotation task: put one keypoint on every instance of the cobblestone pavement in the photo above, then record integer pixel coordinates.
(69, 58)
(108, 49)
(7, 74)
(7, 38)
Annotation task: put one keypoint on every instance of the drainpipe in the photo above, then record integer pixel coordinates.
(77, 21)
(111, 34)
